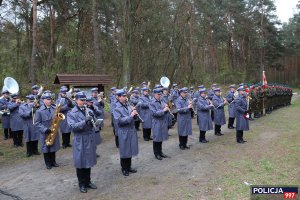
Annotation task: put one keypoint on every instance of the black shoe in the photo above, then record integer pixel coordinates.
(91, 186)
(186, 147)
(48, 166)
(218, 134)
(163, 155)
(240, 141)
(28, 154)
(55, 164)
(36, 153)
(244, 141)
(97, 156)
(181, 147)
(69, 145)
(5, 138)
(132, 170)
(158, 157)
(150, 138)
(125, 172)
(82, 189)
(64, 146)
(21, 145)
(231, 127)
(146, 139)
(221, 133)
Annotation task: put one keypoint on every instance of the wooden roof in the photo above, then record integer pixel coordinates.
(83, 79)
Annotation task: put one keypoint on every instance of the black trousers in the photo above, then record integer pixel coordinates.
(239, 135)
(157, 148)
(117, 141)
(84, 176)
(10, 133)
(49, 158)
(202, 136)
(230, 122)
(6, 131)
(183, 141)
(66, 139)
(18, 137)
(32, 147)
(137, 124)
(146, 133)
(212, 115)
(217, 128)
(125, 163)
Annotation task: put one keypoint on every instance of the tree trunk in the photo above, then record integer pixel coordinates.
(127, 42)
(34, 42)
(97, 50)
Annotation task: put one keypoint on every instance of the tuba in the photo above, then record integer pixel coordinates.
(58, 117)
(12, 87)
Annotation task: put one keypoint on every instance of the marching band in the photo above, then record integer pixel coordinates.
(156, 111)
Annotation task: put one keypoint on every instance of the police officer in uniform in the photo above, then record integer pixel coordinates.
(184, 124)
(31, 135)
(145, 113)
(65, 129)
(204, 107)
(231, 106)
(5, 115)
(84, 144)
(159, 111)
(242, 123)
(128, 141)
(219, 114)
(16, 122)
(43, 120)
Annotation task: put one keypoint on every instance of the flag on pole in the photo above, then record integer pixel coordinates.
(264, 80)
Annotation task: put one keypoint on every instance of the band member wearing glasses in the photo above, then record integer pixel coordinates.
(160, 119)
(184, 118)
(125, 116)
(80, 120)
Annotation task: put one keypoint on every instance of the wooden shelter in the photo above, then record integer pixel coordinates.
(84, 80)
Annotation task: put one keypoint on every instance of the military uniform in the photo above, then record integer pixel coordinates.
(31, 135)
(219, 114)
(84, 144)
(128, 140)
(231, 107)
(242, 124)
(43, 120)
(203, 115)
(210, 95)
(6, 115)
(160, 122)
(145, 114)
(184, 124)
(16, 122)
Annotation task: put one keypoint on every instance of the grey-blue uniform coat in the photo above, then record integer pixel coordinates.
(134, 100)
(174, 95)
(203, 114)
(97, 114)
(5, 117)
(145, 112)
(64, 126)
(30, 133)
(211, 94)
(231, 106)
(100, 106)
(128, 140)
(242, 124)
(184, 119)
(16, 122)
(166, 99)
(43, 120)
(112, 108)
(84, 144)
(160, 121)
(219, 114)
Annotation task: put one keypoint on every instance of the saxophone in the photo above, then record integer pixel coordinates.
(58, 117)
